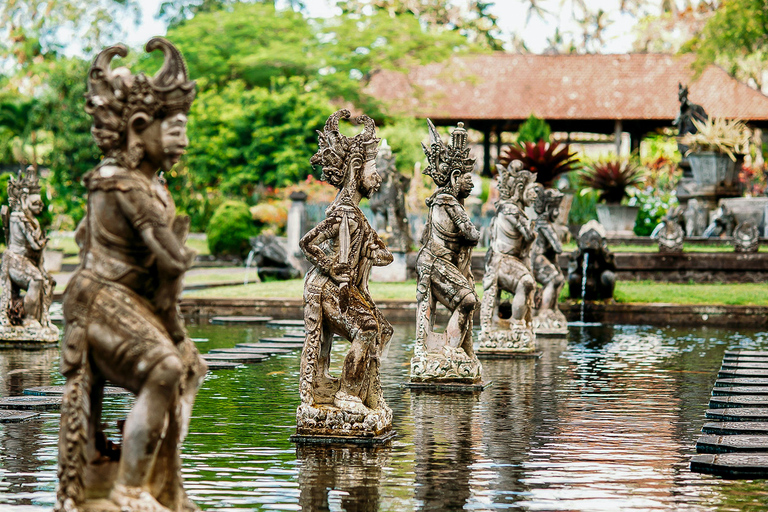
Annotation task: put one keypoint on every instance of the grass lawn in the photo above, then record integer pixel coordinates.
(751, 294)
(571, 246)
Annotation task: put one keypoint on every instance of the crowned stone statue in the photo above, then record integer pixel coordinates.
(548, 320)
(388, 203)
(25, 318)
(507, 330)
(122, 320)
(443, 268)
(342, 250)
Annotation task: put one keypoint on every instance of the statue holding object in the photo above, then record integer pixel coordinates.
(443, 268)
(508, 329)
(342, 250)
(25, 318)
(120, 307)
(548, 319)
(388, 203)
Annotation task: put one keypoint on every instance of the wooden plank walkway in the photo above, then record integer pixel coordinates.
(736, 445)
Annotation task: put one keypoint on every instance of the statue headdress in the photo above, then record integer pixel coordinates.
(336, 150)
(443, 158)
(512, 177)
(546, 199)
(25, 184)
(114, 95)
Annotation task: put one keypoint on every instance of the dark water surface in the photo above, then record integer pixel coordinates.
(605, 420)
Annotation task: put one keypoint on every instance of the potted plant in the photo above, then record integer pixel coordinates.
(612, 180)
(712, 151)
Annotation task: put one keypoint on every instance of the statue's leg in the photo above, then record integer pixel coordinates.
(457, 324)
(607, 284)
(523, 290)
(550, 292)
(32, 300)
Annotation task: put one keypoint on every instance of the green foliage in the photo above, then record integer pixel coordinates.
(654, 206)
(533, 130)
(403, 135)
(584, 206)
(229, 230)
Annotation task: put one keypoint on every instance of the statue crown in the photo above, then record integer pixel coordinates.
(511, 177)
(546, 199)
(25, 184)
(443, 158)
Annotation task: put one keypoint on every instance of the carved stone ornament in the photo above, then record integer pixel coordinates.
(746, 237)
(388, 203)
(671, 235)
(342, 250)
(591, 267)
(443, 268)
(505, 327)
(120, 307)
(548, 320)
(695, 218)
(25, 318)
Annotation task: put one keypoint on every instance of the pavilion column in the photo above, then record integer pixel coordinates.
(498, 144)
(486, 151)
(617, 131)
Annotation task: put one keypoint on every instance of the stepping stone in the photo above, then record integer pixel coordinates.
(222, 365)
(278, 340)
(237, 358)
(59, 390)
(744, 365)
(199, 340)
(294, 334)
(738, 414)
(758, 428)
(741, 381)
(243, 350)
(285, 323)
(16, 416)
(740, 390)
(744, 359)
(751, 353)
(240, 320)
(30, 402)
(293, 346)
(731, 374)
(722, 402)
(725, 444)
(742, 465)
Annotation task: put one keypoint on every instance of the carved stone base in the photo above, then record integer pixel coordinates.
(449, 387)
(31, 332)
(518, 339)
(363, 441)
(451, 365)
(330, 421)
(550, 323)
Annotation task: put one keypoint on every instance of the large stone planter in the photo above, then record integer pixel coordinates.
(712, 169)
(750, 209)
(617, 218)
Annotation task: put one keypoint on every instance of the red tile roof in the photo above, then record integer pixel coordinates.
(513, 86)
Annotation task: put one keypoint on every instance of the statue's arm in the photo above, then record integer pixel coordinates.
(378, 252)
(460, 218)
(36, 243)
(548, 232)
(172, 257)
(524, 228)
(328, 229)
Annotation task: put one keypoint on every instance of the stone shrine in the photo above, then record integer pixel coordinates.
(591, 266)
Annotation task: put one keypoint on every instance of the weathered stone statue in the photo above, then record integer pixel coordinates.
(671, 234)
(723, 223)
(388, 203)
(25, 318)
(695, 218)
(684, 120)
(591, 267)
(548, 319)
(508, 267)
(343, 248)
(746, 237)
(443, 268)
(120, 307)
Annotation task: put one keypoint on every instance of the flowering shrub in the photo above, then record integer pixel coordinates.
(754, 179)
(271, 215)
(654, 205)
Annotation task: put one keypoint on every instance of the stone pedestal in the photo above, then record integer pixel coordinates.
(506, 338)
(550, 323)
(395, 272)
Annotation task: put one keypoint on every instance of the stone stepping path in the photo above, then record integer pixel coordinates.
(240, 320)
(245, 350)
(30, 402)
(286, 323)
(17, 416)
(286, 345)
(278, 340)
(736, 446)
(294, 334)
(59, 390)
(222, 365)
(236, 358)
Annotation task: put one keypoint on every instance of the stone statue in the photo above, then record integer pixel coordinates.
(671, 234)
(723, 223)
(746, 237)
(688, 112)
(695, 218)
(342, 250)
(388, 203)
(25, 318)
(548, 320)
(508, 267)
(443, 268)
(591, 267)
(120, 307)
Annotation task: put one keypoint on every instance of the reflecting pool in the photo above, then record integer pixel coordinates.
(604, 420)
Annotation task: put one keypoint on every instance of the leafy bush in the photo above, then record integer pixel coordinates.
(533, 130)
(612, 179)
(728, 136)
(229, 230)
(654, 206)
(270, 215)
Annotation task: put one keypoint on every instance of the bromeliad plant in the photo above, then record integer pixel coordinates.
(547, 160)
(727, 136)
(611, 179)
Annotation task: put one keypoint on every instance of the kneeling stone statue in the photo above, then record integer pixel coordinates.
(25, 318)
(343, 248)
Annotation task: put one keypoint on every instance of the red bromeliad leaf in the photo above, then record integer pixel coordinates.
(547, 160)
(612, 179)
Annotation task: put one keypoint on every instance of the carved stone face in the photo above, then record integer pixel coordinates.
(529, 194)
(370, 181)
(462, 183)
(33, 203)
(165, 141)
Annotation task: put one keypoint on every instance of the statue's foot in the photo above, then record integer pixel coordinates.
(351, 403)
(135, 499)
